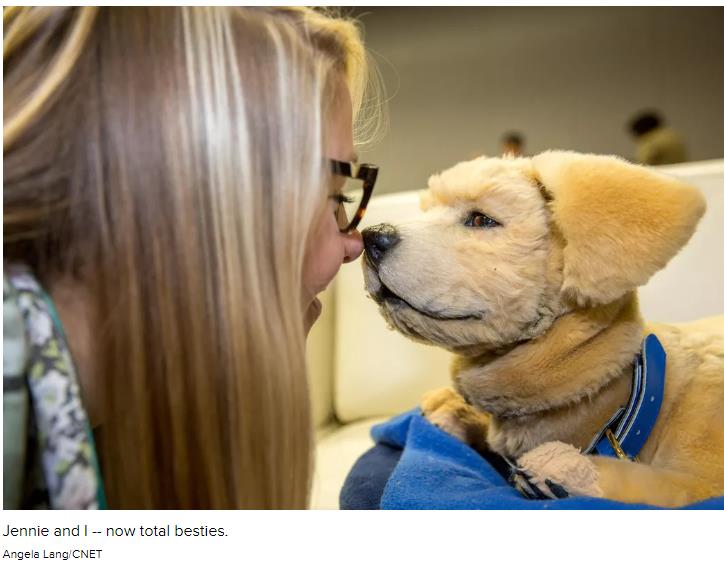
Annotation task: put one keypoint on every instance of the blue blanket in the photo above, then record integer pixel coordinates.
(415, 465)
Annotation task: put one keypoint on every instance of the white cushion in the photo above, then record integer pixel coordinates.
(690, 286)
(320, 361)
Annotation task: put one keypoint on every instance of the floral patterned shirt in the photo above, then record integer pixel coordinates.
(49, 457)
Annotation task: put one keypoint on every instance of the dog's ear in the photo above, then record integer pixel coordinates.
(621, 222)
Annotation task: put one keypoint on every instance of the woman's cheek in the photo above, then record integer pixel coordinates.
(326, 255)
(330, 259)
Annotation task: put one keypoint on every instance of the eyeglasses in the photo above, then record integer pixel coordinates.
(353, 200)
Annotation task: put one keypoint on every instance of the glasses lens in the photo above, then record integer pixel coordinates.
(352, 193)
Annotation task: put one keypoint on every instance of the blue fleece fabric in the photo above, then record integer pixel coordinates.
(437, 471)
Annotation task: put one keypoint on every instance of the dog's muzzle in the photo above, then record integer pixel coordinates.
(378, 240)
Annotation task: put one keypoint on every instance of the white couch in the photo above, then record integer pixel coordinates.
(362, 373)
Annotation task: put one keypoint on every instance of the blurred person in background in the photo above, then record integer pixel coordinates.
(513, 144)
(172, 206)
(655, 142)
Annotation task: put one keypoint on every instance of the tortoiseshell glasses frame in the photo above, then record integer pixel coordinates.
(367, 173)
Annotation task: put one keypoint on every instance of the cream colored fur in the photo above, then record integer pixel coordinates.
(546, 321)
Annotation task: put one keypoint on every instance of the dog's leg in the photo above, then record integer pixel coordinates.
(615, 479)
(628, 481)
(447, 410)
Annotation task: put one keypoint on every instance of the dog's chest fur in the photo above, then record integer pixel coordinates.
(574, 424)
(562, 386)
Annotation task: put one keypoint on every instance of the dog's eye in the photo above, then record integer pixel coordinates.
(479, 220)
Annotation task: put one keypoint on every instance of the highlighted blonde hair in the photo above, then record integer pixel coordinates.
(171, 161)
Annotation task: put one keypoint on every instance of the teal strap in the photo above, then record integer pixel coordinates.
(15, 399)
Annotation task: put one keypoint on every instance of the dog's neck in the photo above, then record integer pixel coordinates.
(584, 355)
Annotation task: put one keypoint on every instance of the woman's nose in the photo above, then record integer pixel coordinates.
(353, 245)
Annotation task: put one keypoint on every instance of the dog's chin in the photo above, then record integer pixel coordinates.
(462, 334)
(393, 304)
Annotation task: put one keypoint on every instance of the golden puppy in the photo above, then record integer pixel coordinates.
(527, 269)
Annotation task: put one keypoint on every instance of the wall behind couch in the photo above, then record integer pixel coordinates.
(565, 77)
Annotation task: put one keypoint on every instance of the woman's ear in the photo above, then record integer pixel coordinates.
(621, 222)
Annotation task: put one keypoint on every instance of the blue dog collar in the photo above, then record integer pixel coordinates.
(627, 430)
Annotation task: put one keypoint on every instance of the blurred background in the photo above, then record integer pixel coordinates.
(459, 79)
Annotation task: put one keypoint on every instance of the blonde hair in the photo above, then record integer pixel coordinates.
(171, 160)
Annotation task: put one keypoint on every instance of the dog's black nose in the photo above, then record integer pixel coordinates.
(378, 240)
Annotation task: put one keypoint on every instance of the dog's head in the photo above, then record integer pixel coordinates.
(504, 246)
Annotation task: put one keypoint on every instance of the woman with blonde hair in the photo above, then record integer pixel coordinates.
(172, 207)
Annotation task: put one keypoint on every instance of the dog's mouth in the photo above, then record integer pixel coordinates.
(385, 295)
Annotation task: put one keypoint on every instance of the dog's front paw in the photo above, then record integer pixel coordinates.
(447, 410)
(443, 407)
(556, 470)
